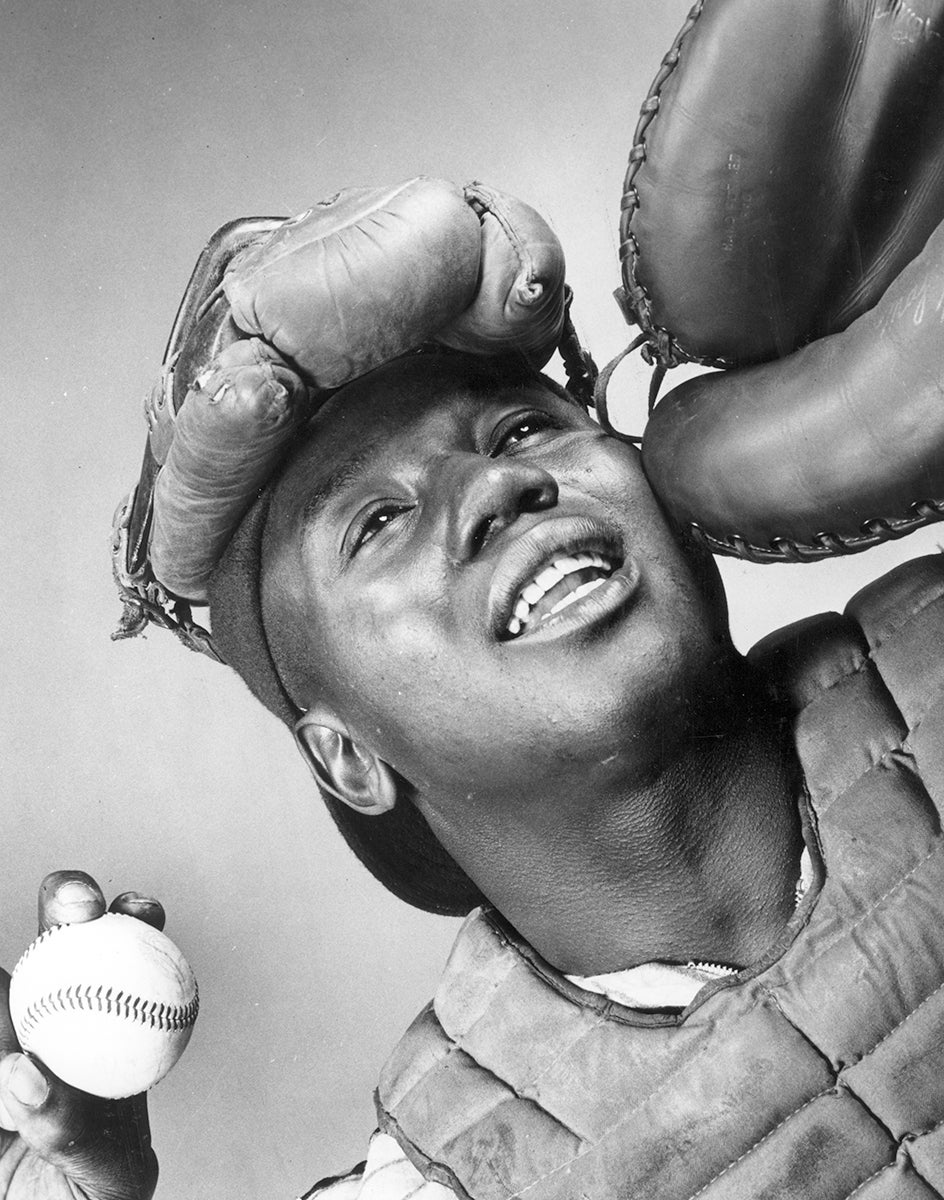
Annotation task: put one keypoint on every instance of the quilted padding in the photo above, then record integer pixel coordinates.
(816, 1073)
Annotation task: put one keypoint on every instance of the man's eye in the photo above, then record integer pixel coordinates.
(521, 429)
(373, 523)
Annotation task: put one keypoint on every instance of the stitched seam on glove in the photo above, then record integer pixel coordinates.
(663, 345)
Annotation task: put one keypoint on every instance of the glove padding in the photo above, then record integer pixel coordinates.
(788, 167)
(309, 306)
(229, 436)
(832, 449)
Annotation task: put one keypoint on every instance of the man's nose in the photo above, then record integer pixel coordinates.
(485, 495)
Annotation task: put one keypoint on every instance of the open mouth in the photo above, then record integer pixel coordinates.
(563, 581)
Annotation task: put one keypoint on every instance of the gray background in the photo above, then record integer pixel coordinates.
(130, 132)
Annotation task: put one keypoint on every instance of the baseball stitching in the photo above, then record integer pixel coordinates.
(89, 998)
(78, 998)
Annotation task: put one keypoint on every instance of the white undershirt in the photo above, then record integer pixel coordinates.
(389, 1174)
(668, 985)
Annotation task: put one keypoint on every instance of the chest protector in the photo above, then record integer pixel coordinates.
(818, 1072)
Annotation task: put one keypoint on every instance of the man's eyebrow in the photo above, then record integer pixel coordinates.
(342, 476)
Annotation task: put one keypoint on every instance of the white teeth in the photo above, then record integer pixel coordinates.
(549, 577)
(577, 594)
(532, 593)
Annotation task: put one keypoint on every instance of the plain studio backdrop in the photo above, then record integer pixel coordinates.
(131, 131)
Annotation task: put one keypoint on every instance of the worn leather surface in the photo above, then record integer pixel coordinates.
(815, 1073)
(790, 167)
(786, 176)
(229, 436)
(302, 306)
(836, 438)
(373, 272)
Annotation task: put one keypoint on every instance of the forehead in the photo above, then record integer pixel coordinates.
(408, 408)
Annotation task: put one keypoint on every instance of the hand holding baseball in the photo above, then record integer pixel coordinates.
(63, 1140)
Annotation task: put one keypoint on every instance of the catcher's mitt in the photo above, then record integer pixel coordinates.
(787, 167)
(280, 313)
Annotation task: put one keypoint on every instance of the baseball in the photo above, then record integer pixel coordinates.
(108, 1005)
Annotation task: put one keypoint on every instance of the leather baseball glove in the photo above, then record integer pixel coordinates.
(779, 215)
(279, 314)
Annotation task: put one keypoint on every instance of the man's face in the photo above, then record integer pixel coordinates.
(481, 581)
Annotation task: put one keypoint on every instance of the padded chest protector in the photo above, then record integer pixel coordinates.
(815, 1073)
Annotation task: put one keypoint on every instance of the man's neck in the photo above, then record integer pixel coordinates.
(698, 861)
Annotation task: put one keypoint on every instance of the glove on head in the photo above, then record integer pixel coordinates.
(278, 315)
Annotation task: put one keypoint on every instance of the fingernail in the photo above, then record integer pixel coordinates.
(72, 900)
(76, 891)
(27, 1083)
(145, 908)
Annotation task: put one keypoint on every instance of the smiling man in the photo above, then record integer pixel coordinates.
(705, 949)
(698, 872)
(479, 611)
(487, 638)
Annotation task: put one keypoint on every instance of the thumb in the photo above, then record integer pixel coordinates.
(24, 1091)
(103, 1146)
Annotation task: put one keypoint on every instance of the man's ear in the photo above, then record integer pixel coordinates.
(342, 767)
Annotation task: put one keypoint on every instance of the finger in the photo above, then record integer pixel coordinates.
(145, 908)
(8, 1042)
(104, 1146)
(69, 898)
(23, 1089)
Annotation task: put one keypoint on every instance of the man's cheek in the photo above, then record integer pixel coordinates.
(402, 610)
(610, 472)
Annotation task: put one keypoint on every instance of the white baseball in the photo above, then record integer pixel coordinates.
(108, 1005)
